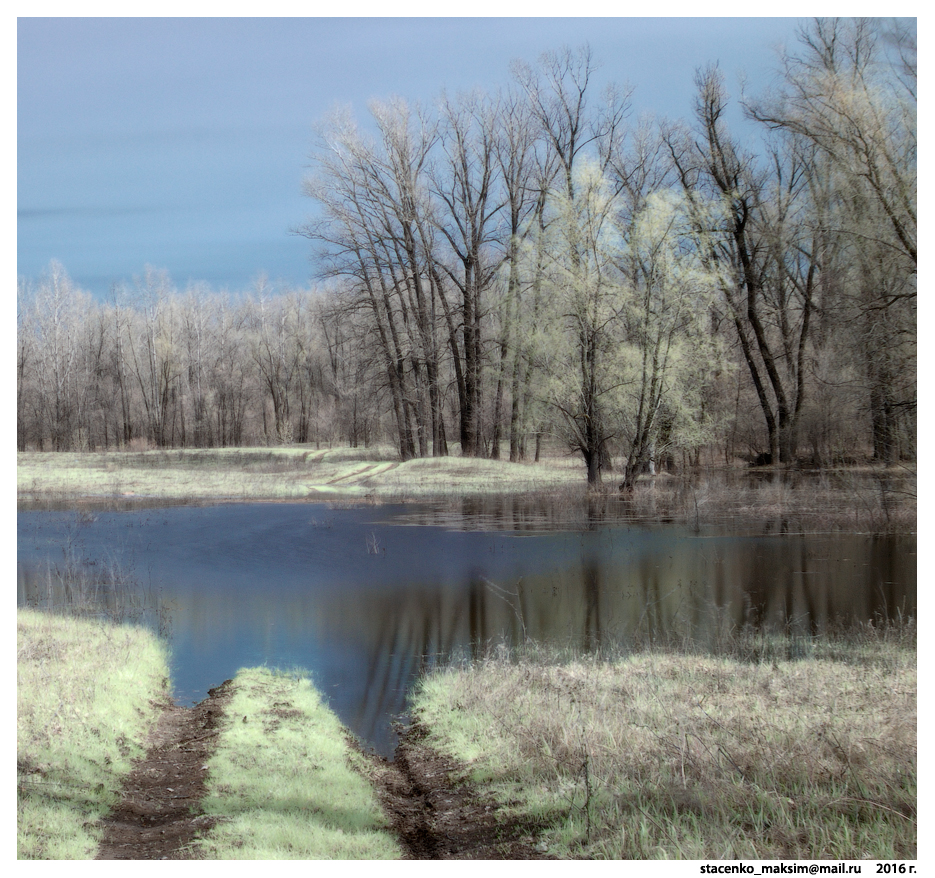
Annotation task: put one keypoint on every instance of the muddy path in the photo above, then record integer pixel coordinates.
(159, 814)
(434, 811)
(438, 815)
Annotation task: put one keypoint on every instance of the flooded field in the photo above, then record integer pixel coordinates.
(367, 598)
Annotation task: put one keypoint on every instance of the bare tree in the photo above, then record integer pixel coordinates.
(527, 170)
(850, 90)
(59, 310)
(465, 183)
(583, 363)
(745, 231)
(666, 303)
(557, 92)
(25, 356)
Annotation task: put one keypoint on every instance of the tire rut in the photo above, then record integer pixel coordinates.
(435, 812)
(438, 815)
(158, 816)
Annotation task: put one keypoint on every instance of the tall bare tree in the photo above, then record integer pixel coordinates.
(743, 211)
(557, 92)
(527, 170)
(849, 88)
(465, 182)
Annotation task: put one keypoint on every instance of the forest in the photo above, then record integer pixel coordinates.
(500, 271)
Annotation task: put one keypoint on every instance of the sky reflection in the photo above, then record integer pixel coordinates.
(366, 605)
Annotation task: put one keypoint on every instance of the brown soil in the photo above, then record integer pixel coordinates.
(430, 805)
(158, 816)
(438, 815)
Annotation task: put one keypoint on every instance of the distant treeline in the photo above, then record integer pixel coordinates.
(154, 367)
(532, 263)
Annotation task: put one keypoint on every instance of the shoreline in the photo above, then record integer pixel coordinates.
(532, 758)
(444, 754)
(859, 499)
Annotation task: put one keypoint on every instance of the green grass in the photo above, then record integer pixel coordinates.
(694, 757)
(285, 782)
(86, 700)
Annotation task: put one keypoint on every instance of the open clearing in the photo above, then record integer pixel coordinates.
(288, 473)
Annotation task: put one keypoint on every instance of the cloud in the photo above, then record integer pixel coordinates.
(90, 212)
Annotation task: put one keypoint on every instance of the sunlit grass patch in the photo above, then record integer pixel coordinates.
(449, 476)
(87, 696)
(285, 782)
(289, 472)
(687, 756)
(282, 473)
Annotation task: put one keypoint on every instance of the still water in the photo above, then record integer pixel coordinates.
(367, 598)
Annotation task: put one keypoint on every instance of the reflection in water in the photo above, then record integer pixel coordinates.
(591, 575)
(295, 585)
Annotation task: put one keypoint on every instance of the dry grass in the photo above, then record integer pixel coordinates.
(688, 756)
(105, 591)
(286, 473)
(867, 500)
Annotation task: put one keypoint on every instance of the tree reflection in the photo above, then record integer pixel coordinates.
(368, 635)
(591, 574)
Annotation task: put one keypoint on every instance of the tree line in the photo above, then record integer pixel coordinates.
(153, 367)
(500, 268)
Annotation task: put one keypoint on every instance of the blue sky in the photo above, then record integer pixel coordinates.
(182, 143)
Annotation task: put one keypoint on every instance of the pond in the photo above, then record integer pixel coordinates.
(367, 598)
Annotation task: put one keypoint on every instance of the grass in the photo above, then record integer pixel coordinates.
(86, 698)
(285, 782)
(661, 755)
(287, 473)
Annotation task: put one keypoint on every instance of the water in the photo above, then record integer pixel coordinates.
(368, 598)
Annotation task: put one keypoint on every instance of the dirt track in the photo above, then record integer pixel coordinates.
(159, 814)
(436, 814)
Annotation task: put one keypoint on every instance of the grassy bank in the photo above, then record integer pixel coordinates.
(686, 756)
(288, 473)
(285, 782)
(86, 698)
(858, 499)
